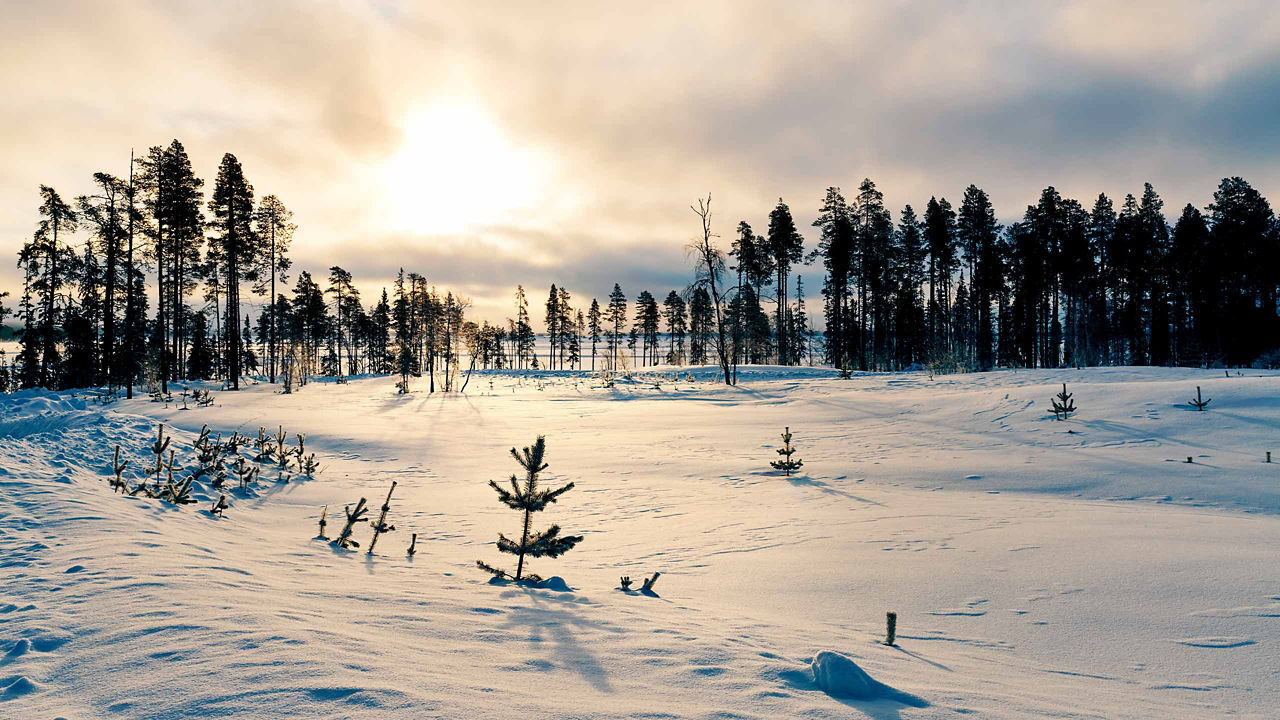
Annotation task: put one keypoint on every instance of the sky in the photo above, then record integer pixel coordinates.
(489, 144)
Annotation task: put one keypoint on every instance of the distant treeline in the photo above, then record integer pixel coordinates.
(139, 282)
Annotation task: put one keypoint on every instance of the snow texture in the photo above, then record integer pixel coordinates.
(1039, 568)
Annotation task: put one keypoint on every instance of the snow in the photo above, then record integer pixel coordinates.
(1075, 569)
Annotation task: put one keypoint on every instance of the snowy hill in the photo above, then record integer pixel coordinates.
(1075, 569)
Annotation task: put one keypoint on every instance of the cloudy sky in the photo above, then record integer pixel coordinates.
(489, 144)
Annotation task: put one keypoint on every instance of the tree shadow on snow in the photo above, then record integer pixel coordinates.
(550, 618)
(886, 704)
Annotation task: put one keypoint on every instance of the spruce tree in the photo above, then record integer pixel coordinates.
(529, 498)
(786, 464)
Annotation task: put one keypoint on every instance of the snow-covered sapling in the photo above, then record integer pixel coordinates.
(344, 538)
(324, 520)
(246, 473)
(1199, 403)
(647, 585)
(219, 506)
(157, 448)
(413, 545)
(1063, 406)
(786, 463)
(891, 628)
(262, 445)
(381, 526)
(529, 498)
(118, 483)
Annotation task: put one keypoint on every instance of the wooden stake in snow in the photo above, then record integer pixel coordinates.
(891, 628)
(1198, 403)
(344, 538)
(381, 526)
(1268, 453)
(413, 544)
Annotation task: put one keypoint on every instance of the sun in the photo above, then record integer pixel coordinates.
(456, 170)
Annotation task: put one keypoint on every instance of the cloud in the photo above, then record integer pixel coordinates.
(644, 108)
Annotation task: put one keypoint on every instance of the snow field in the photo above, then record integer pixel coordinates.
(1035, 572)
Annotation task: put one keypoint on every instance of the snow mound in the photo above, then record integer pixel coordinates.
(839, 676)
(30, 412)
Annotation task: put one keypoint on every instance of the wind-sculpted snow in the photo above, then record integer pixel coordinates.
(1038, 568)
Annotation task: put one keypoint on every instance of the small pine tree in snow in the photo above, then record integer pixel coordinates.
(157, 448)
(219, 506)
(786, 451)
(117, 467)
(324, 520)
(381, 526)
(1199, 403)
(344, 538)
(1063, 405)
(529, 498)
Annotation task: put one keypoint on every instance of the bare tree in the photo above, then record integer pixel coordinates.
(708, 267)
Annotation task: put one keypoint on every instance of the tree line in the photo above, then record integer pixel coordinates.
(152, 292)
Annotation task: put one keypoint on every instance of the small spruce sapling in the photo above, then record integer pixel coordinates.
(324, 520)
(381, 526)
(786, 463)
(1063, 406)
(344, 538)
(625, 581)
(117, 467)
(1199, 403)
(529, 498)
(219, 506)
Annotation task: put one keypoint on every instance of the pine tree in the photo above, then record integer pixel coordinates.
(529, 498)
(677, 323)
(786, 464)
(786, 246)
(1063, 405)
(274, 227)
(235, 250)
(594, 328)
(616, 316)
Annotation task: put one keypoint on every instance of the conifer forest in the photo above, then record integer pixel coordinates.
(753, 360)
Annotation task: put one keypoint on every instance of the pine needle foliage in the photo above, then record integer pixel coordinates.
(529, 498)
(1063, 405)
(786, 464)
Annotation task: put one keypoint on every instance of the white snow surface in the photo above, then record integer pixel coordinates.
(1074, 569)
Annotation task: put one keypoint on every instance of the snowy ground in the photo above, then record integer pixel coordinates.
(1078, 569)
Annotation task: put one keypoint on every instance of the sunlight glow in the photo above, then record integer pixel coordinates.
(456, 170)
